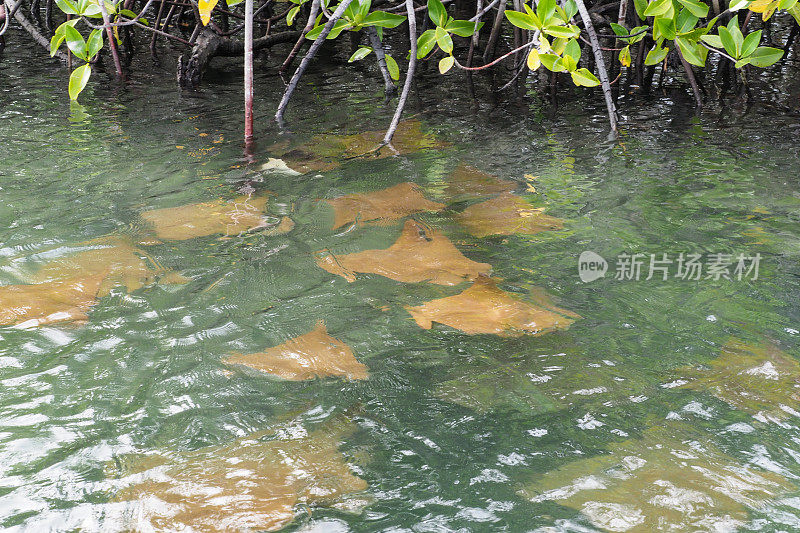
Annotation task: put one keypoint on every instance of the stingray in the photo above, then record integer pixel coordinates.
(50, 302)
(231, 217)
(386, 205)
(758, 379)
(327, 152)
(311, 355)
(469, 182)
(420, 254)
(483, 308)
(115, 260)
(255, 483)
(664, 481)
(506, 215)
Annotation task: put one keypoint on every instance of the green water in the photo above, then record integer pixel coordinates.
(451, 431)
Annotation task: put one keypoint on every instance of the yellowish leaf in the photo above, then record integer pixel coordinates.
(544, 45)
(533, 60)
(759, 6)
(205, 7)
(446, 64)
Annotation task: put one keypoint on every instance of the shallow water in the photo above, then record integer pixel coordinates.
(631, 418)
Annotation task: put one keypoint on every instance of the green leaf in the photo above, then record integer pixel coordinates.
(523, 20)
(736, 34)
(92, 11)
(582, 77)
(568, 62)
(666, 27)
(383, 19)
(656, 55)
(545, 9)
(444, 40)
(559, 45)
(55, 42)
(685, 22)
(691, 52)
(391, 65)
(697, 8)
(795, 12)
(75, 42)
(639, 32)
(67, 6)
(314, 32)
(58, 36)
(361, 53)
(446, 63)
(736, 5)
(78, 80)
(549, 62)
(561, 31)
(94, 43)
(657, 7)
(462, 28)
(764, 56)
(363, 7)
(573, 49)
(727, 42)
(127, 13)
(750, 43)
(641, 7)
(290, 16)
(338, 28)
(437, 12)
(618, 29)
(625, 56)
(425, 43)
(570, 8)
(712, 40)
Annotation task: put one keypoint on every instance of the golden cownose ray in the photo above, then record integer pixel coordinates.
(483, 308)
(661, 482)
(230, 217)
(311, 355)
(386, 205)
(469, 182)
(47, 303)
(327, 152)
(114, 259)
(253, 484)
(421, 254)
(506, 215)
(758, 379)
